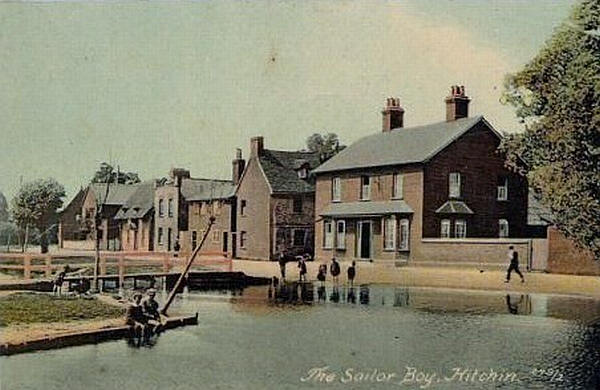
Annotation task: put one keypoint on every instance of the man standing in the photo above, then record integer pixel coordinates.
(352, 273)
(513, 256)
(335, 270)
(282, 261)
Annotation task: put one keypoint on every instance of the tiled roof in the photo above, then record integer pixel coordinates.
(399, 146)
(117, 193)
(280, 168)
(454, 207)
(362, 209)
(206, 189)
(139, 203)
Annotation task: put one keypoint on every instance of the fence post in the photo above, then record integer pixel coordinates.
(48, 266)
(102, 265)
(166, 263)
(121, 269)
(27, 267)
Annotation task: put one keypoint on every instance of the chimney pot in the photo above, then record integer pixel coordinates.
(256, 146)
(238, 166)
(392, 115)
(457, 103)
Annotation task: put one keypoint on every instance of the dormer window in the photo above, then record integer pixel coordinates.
(302, 173)
(454, 185)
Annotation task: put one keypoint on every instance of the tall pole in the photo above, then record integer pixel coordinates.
(187, 268)
(97, 221)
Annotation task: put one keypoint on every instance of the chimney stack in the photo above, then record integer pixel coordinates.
(393, 115)
(457, 103)
(178, 175)
(238, 166)
(256, 146)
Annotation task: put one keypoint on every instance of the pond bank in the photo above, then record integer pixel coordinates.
(463, 278)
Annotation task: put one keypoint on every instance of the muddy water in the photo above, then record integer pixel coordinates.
(371, 337)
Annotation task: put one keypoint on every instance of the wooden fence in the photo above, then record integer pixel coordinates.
(120, 262)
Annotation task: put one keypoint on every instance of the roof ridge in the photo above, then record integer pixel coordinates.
(207, 179)
(290, 151)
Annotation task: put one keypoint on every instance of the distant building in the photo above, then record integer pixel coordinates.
(208, 198)
(77, 220)
(392, 196)
(275, 202)
(136, 218)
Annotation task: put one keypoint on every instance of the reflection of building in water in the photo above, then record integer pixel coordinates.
(401, 297)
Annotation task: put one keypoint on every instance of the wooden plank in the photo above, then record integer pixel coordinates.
(86, 337)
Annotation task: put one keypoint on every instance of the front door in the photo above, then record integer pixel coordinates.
(364, 239)
(169, 239)
(225, 242)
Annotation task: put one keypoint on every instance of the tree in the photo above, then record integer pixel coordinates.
(327, 145)
(3, 208)
(107, 174)
(556, 96)
(35, 205)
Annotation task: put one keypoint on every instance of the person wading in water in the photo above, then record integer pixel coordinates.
(513, 256)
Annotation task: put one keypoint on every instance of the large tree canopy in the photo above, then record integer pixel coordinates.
(557, 96)
(35, 205)
(107, 173)
(327, 145)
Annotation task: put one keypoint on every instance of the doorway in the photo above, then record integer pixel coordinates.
(169, 239)
(225, 242)
(364, 240)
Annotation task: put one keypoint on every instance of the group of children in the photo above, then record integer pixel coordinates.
(334, 269)
(143, 315)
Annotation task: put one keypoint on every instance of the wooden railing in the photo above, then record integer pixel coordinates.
(48, 264)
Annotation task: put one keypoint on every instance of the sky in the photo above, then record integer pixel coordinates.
(151, 85)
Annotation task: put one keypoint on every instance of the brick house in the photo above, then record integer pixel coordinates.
(136, 218)
(183, 206)
(170, 209)
(209, 198)
(275, 202)
(386, 194)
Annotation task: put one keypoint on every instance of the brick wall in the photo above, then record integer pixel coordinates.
(165, 222)
(285, 221)
(475, 157)
(381, 190)
(199, 214)
(256, 219)
(486, 252)
(565, 258)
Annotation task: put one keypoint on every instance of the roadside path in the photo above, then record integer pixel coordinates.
(462, 278)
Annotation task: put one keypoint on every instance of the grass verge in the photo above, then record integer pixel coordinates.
(26, 308)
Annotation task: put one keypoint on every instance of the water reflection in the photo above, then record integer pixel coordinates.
(471, 302)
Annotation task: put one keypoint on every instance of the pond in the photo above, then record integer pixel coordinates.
(369, 337)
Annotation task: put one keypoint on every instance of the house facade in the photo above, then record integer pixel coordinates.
(275, 203)
(136, 218)
(184, 205)
(383, 197)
